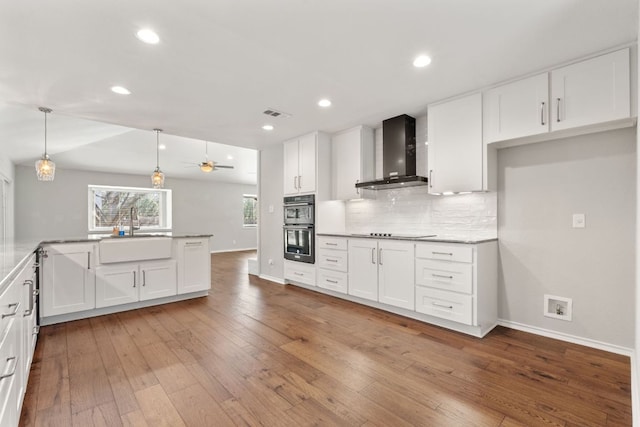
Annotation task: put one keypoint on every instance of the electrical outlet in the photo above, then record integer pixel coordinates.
(579, 220)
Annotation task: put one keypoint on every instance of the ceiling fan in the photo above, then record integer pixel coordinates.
(209, 165)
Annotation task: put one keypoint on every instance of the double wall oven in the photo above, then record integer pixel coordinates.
(299, 233)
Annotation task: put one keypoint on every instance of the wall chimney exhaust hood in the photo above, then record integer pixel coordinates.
(398, 156)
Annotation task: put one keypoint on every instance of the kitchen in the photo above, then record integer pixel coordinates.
(539, 188)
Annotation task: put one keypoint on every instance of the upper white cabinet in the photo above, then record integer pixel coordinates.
(591, 91)
(454, 135)
(69, 280)
(352, 155)
(516, 109)
(586, 93)
(306, 165)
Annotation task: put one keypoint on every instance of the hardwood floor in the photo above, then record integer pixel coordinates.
(257, 353)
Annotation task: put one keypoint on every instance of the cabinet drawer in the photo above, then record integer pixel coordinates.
(333, 260)
(332, 243)
(10, 307)
(300, 272)
(446, 305)
(450, 276)
(445, 252)
(333, 280)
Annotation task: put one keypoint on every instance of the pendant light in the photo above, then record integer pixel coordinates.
(157, 178)
(45, 167)
(207, 165)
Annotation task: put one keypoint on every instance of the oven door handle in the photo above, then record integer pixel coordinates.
(295, 205)
(298, 227)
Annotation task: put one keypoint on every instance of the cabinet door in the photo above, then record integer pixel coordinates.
(291, 167)
(194, 265)
(117, 284)
(307, 163)
(363, 269)
(455, 145)
(69, 282)
(517, 109)
(158, 280)
(396, 285)
(352, 154)
(592, 91)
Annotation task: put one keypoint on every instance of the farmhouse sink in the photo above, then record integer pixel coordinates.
(139, 248)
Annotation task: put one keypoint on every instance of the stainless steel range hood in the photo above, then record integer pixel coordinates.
(398, 156)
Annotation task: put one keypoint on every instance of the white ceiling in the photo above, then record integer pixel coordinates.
(220, 63)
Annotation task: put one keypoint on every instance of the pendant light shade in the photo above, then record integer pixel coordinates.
(157, 178)
(45, 167)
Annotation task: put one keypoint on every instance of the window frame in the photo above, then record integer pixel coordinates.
(254, 197)
(165, 213)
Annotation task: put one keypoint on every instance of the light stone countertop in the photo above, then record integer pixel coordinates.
(438, 238)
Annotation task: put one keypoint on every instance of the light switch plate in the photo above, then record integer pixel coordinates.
(579, 221)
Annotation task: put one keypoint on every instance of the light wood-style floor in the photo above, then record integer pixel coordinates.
(257, 353)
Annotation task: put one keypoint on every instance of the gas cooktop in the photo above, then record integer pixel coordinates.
(395, 235)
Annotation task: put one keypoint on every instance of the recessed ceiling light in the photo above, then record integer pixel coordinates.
(162, 147)
(421, 61)
(229, 157)
(120, 90)
(267, 127)
(148, 36)
(324, 103)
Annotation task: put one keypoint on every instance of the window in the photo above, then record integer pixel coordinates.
(250, 209)
(111, 206)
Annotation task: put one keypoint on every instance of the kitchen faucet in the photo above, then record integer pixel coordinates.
(132, 213)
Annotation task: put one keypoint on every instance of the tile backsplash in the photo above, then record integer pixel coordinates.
(413, 211)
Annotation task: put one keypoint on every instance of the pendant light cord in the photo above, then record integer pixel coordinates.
(158, 148)
(45, 111)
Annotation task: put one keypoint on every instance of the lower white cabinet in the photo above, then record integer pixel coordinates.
(194, 264)
(300, 272)
(18, 334)
(68, 275)
(118, 284)
(382, 270)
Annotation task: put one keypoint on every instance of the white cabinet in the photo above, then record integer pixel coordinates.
(591, 91)
(118, 284)
(458, 283)
(352, 160)
(307, 165)
(18, 333)
(300, 272)
(395, 274)
(333, 264)
(456, 161)
(382, 271)
(300, 165)
(363, 268)
(68, 276)
(516, 109)
(194, 264)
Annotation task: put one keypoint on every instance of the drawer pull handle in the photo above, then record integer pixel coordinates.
(332, 281)
(442, 253)
(32, 292)
(15, 310)
(331, 244)
(332, 260)
(450, 307)
(13, 371)
(134, 279)
(193, 244)
(441, 275)
(36, 330)
(298, 274)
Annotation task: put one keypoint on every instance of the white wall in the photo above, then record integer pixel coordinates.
(271, 212)
(58, 209)
(7, 172)
(540, 187)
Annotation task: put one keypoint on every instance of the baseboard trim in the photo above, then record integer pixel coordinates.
(272, 279)
(234, 250)
(635, 399)
(612, 348)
